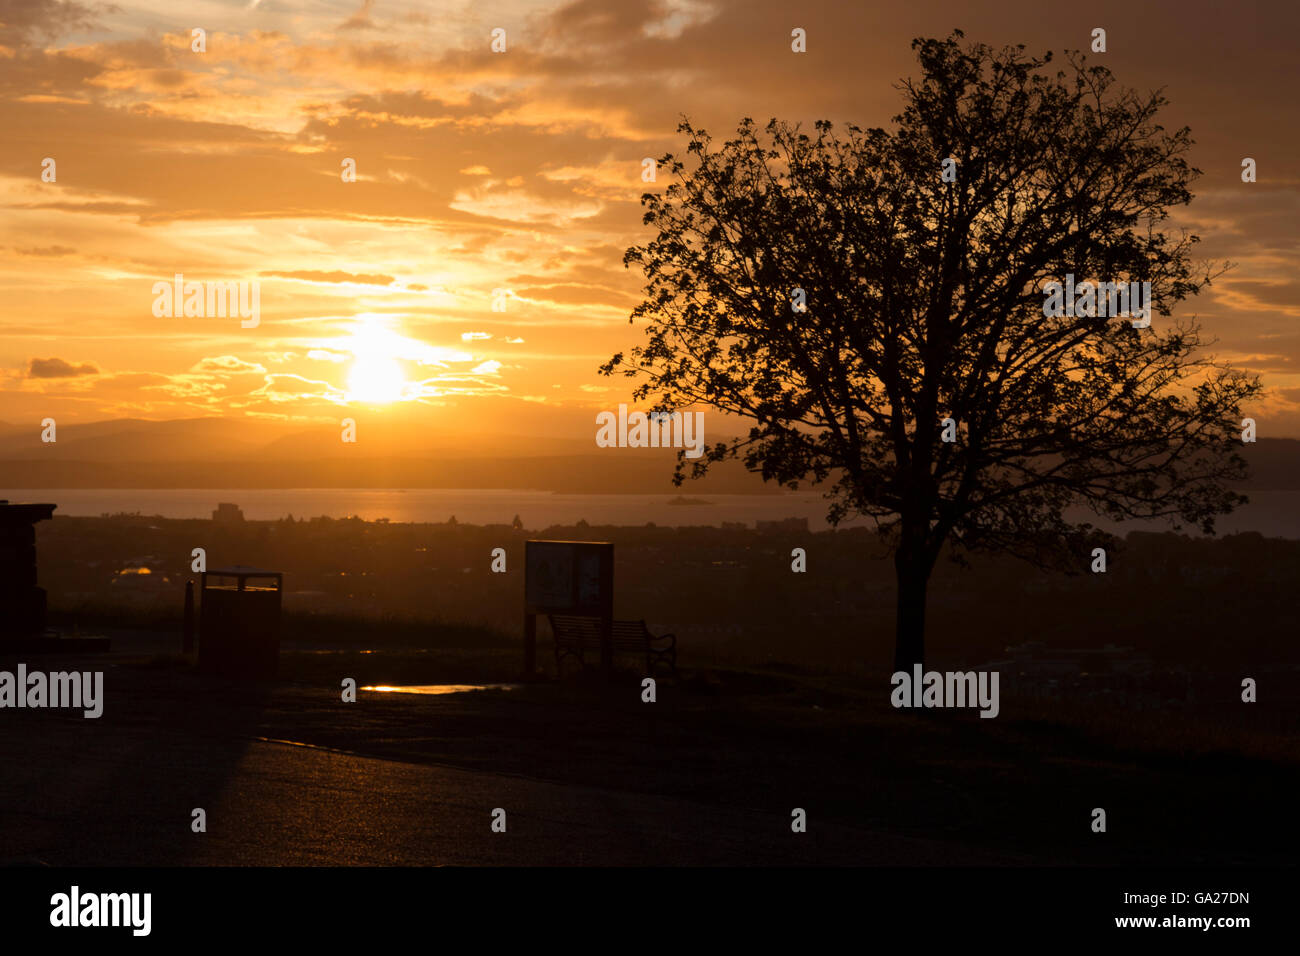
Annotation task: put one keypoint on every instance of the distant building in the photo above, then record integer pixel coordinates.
(1037, 658)
(1119, 674)
(784, 526)
(227, 512)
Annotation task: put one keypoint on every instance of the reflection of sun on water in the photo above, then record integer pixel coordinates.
(437, 689)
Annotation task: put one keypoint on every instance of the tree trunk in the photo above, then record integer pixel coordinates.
(912, 568)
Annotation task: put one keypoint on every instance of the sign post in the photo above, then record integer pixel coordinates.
(569, 577)
(530, 644)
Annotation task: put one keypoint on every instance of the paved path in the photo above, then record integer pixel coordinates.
(84, 793)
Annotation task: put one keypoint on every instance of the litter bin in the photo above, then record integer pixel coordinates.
(239, 624)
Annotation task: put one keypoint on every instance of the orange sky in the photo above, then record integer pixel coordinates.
(480, 171)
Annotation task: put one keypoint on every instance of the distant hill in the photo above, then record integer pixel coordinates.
(516, 431)
(129, 439)
(397, 451)
(626, 472)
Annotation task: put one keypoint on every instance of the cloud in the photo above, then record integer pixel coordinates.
(573, 293)
(57, 368)
(358, 278)
(227, 364)
(361, 19)
(523, 206)
(44, 251)
(1261, 294)
(279, 389)
(521, 171)
(24, 21)
(189, 386)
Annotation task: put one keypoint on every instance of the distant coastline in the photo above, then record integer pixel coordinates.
(1271, 513)
(536, 509)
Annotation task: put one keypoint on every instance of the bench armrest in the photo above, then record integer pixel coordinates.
(670, 638)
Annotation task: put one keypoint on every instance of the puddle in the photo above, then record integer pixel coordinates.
(437, 688)
(307, 649)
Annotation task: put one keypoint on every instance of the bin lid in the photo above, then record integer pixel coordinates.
(244, 571)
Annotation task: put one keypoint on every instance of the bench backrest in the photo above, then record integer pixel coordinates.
(570, 628)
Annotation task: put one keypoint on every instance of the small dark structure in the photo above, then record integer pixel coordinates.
(569, 577)
(239, 624)
(22, 602)
(187, 637)
(228, 512)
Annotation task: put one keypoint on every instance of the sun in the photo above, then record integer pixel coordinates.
(375, 379)
(376, 376)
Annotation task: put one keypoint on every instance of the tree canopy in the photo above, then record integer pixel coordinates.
(920, 255)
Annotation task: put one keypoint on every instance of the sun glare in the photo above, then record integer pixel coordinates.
(376, 376)
(387, 366)
(375, 379)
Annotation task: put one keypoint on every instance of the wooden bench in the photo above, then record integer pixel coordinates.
(574, 636)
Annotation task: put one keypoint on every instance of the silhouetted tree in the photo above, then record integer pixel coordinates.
(925, 301)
